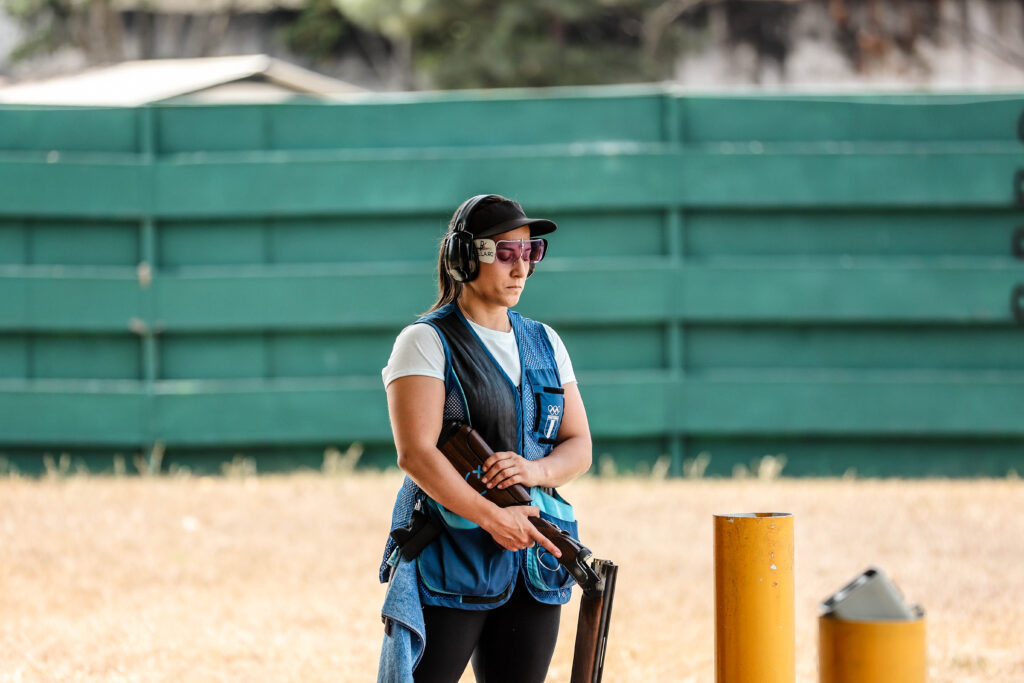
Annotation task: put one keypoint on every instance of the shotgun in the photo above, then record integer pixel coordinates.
(467, 451)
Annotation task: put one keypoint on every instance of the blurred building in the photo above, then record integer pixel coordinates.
(246, 78)
(129, 30)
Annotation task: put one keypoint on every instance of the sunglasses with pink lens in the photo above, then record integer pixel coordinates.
(511, 251)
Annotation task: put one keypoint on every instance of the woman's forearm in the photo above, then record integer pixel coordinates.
(432, 472)
(568, 460)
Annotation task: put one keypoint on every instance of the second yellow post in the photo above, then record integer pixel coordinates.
(754, 608)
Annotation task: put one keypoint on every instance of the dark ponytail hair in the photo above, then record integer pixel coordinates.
(448, 289)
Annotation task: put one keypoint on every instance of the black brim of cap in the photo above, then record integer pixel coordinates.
(538, 227)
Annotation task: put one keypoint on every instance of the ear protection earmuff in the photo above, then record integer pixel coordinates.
(460, 257)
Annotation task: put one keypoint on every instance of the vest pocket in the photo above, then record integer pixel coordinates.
(542, 568)
(550, 405)
(466, 563)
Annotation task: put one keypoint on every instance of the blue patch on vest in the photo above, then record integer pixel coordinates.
(550, 404)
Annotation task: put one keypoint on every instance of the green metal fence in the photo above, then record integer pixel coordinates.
(830, 278)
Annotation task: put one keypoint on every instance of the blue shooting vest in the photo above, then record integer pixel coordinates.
(464, 567)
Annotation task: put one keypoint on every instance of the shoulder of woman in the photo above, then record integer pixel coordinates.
(417, 351)
(420, 336)
(553, 337)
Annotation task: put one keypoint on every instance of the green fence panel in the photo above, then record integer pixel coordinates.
(413, 123)
(852, 119)
(834, 279)
(66, 413)
(57, 130)
(54, 299)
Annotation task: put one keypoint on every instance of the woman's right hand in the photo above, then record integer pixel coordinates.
(511, 529)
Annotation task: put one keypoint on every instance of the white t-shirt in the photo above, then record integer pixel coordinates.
(418, 351)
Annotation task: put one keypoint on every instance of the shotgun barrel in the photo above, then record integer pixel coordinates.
(592, 627)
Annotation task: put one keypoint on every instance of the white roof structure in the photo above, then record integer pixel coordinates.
(246, 78)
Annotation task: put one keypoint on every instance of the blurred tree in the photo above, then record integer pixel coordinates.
(481, 44)
(93, 26)
(319, 31)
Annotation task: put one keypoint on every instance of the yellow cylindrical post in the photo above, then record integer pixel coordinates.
(754, 608)
(871, 651)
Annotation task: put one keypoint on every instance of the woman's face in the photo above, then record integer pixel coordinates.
(501, 284)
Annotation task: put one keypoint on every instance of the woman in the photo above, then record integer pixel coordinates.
(485, 588)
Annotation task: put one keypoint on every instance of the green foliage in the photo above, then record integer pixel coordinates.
(439, 43)
(93, 26)
(319, 31)
(480, 44)
(51, 24)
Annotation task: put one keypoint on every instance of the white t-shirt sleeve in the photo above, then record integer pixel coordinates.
(565, 370)
(417, 351)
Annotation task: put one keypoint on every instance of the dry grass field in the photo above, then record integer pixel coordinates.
(274, 578)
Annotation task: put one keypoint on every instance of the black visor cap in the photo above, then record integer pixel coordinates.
(493, 218)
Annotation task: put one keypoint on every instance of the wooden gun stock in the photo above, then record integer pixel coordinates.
(467, 451)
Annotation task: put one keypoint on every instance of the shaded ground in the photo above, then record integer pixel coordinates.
(273, 578)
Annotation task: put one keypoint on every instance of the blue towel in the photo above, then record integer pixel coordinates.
(402, 649)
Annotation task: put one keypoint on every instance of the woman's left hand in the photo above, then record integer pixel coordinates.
(505, 468)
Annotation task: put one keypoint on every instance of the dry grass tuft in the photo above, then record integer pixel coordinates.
(273, 578)
(695, 468)
(338, 464)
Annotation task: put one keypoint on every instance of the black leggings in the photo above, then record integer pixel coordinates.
(509, 644)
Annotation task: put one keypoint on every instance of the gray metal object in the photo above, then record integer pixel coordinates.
(870, 597)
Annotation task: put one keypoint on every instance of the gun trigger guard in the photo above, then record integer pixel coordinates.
(541, 554)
